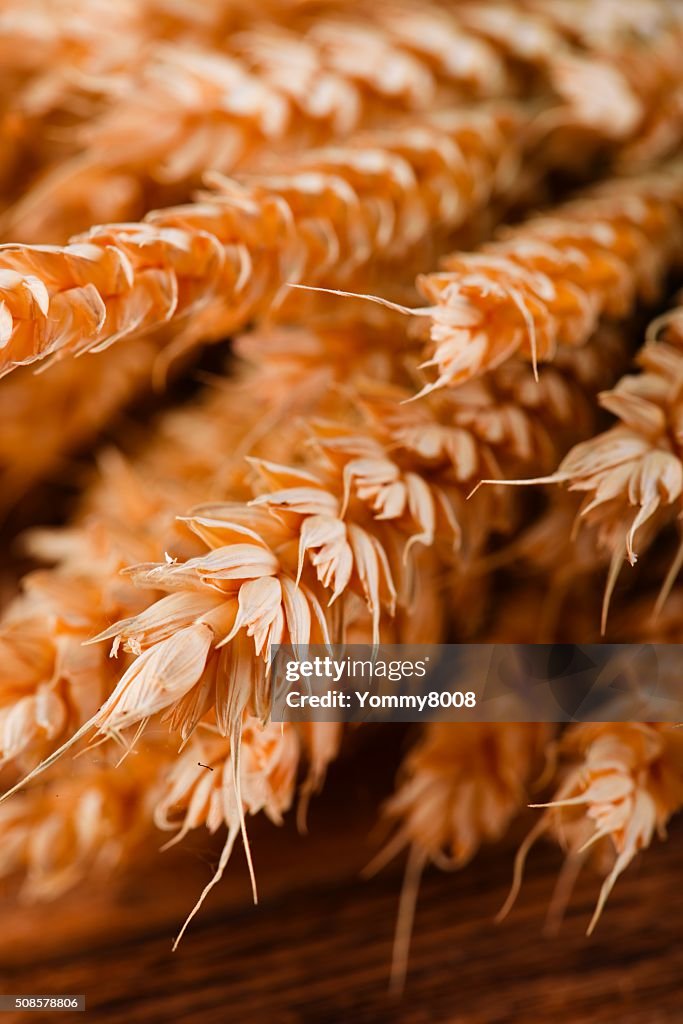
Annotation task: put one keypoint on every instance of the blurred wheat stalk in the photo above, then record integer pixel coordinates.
(328, 488)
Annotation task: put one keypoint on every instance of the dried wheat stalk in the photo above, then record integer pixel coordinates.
(350, 517)
(172, 115)
(461, 786)
(548, 282)
(623, 783)
(62, 69)
(129, 515)
(194, 645)
(458, 164)
(95, 412)
(129, 504)
(225, 259)
(530, 291)
(185, 109)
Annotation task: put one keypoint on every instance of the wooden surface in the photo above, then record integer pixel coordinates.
(318, 947)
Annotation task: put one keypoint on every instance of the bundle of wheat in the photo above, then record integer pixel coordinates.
(325, 487)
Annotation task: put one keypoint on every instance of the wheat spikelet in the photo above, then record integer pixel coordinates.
(58, 68)
(49, 682)
(41, 57)
(454, 179)
(130, 515)
(623, 783)
(609, 77)
(76, 400)
(615, 66)
(548, 282)
(647, 406)
(215, 782)
(324, 220)
(191, 110)
(462, 784)
(265, 575)
(88, 554)
(105, 815)
(622, 34)
(413, 53)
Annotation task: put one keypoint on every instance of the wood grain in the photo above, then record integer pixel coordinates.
(318, 947)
